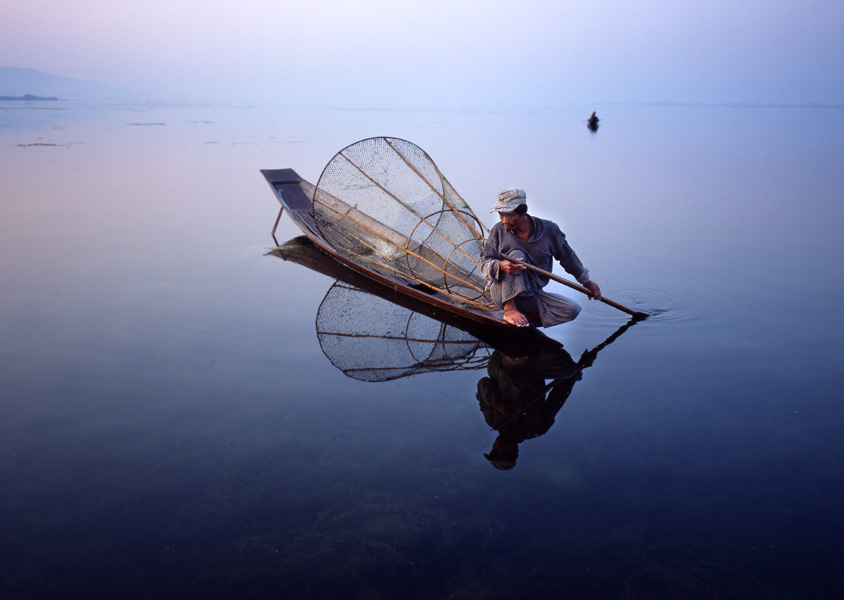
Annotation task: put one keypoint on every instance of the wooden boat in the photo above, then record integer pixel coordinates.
(512, 341)
(296, 196)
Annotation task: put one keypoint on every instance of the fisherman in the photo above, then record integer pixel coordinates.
(518, 238)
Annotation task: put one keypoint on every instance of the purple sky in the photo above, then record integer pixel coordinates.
(432, 53)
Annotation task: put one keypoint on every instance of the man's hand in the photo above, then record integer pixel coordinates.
(512, 267)
(593, 287)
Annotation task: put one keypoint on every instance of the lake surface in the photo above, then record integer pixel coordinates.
(179, 419)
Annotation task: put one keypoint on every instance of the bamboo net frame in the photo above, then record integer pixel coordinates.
(384, 203)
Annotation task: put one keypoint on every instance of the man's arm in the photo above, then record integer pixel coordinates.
(569, 260)
(492, 267)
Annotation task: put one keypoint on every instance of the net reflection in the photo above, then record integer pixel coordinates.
(373, 339)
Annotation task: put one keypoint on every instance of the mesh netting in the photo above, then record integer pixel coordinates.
(383, 203)
(372, 339)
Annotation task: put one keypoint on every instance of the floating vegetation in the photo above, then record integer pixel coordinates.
(30, 107)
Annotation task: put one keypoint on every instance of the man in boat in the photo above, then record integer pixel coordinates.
(518, 238)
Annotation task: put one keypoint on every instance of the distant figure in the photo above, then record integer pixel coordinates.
(592, 123)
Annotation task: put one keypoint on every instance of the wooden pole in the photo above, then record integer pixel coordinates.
(576, 286)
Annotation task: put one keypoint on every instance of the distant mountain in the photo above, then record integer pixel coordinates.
(21, 82)
(27, 98)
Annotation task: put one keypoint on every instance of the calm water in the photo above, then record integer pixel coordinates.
(172, 424)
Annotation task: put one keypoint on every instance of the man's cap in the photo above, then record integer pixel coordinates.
(509, 200)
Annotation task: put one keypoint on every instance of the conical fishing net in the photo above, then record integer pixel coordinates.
(372, 339)
(384, 203)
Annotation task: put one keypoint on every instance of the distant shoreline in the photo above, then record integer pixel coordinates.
(28, 97)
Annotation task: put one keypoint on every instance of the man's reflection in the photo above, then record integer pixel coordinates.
(517, 402)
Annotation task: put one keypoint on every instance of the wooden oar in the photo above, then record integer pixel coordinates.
(576, 286)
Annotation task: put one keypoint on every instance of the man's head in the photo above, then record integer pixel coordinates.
(504, 453)
(511, 208)
(510, 200)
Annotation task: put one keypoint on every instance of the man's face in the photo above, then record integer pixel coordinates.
(510, 221)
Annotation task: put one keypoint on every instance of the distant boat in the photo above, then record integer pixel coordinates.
(592, 123)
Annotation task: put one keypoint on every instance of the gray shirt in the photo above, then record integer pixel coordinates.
(545, 244)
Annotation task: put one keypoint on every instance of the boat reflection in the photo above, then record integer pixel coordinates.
(381, 312)
(371, 334)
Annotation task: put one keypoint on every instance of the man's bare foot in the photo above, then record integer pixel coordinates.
(513, 316)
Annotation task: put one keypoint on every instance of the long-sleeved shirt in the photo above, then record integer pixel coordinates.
(545, 244)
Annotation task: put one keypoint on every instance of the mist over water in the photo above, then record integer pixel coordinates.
(171, 422)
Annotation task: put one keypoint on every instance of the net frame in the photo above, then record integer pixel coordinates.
(383, 203)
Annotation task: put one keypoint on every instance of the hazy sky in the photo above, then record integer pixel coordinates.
(439, 52)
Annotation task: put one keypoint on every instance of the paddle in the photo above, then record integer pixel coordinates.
(576, 286)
